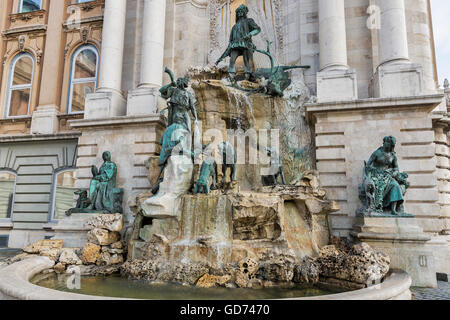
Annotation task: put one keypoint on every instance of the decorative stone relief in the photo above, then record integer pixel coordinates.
(31, 41)
(21, 41)
(85, 33)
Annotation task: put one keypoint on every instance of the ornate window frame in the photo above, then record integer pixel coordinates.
(18, 87)
(73, 81)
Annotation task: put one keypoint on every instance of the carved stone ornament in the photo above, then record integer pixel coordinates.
(21, 41)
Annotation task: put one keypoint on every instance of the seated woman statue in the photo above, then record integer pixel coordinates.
(384, 185)
(101, 190)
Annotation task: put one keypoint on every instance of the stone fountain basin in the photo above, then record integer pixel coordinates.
(15, 285)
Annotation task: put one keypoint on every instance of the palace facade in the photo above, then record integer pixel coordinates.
(78, 78)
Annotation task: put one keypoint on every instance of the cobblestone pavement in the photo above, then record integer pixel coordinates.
(440, 293)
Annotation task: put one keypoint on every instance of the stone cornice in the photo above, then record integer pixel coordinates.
(43, 137)
(427, 102)
(69, 24)
(13, 17)
(26, 29)
(26, 120)
(118, 122)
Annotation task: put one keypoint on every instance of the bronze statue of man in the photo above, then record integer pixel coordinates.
(241, 42)
(101, 189)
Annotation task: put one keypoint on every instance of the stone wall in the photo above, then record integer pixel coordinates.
(131, 141)
(35, 161)
(346, 136)
(442, 141)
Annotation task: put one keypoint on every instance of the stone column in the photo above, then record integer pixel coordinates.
(144, 99)
(153, 43)
(396, 75)
(393, 34)
(108, 101)
(45, 117)
(335, 81)
(332, 35)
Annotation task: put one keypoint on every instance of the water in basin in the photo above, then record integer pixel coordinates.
(119, 287)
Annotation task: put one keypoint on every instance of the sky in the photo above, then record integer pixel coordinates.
(441, 25)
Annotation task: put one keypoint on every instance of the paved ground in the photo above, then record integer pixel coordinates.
(7, 253)
(441, 293)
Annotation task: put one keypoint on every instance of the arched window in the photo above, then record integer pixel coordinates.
(63, 193)
(83, 77)
(7, 190)
(20, 86)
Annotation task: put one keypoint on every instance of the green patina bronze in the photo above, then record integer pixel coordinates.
(176, 140)
(83, 202)
(104, 197)
(241, 43)
(177, 137)
(276, 168)
(384, 185)
(179, 100)
(208, 171)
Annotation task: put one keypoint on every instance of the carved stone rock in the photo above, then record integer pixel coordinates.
(52, 253)
(110, 222)
(361, 264)
(103, 237)
(44, 244)
(210, 281)
(69, 257)
(90, 253)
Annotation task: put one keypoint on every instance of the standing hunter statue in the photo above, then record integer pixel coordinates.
(241, 43)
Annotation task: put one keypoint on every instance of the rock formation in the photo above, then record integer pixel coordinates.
(102, 254)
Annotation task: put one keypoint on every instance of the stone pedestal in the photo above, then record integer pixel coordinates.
(105, 104)
(405, 243)
(73, 230)
(132, 141)
(45, 120)
(337, 85)
(143, 101)
(347, 133)
(398, 80)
